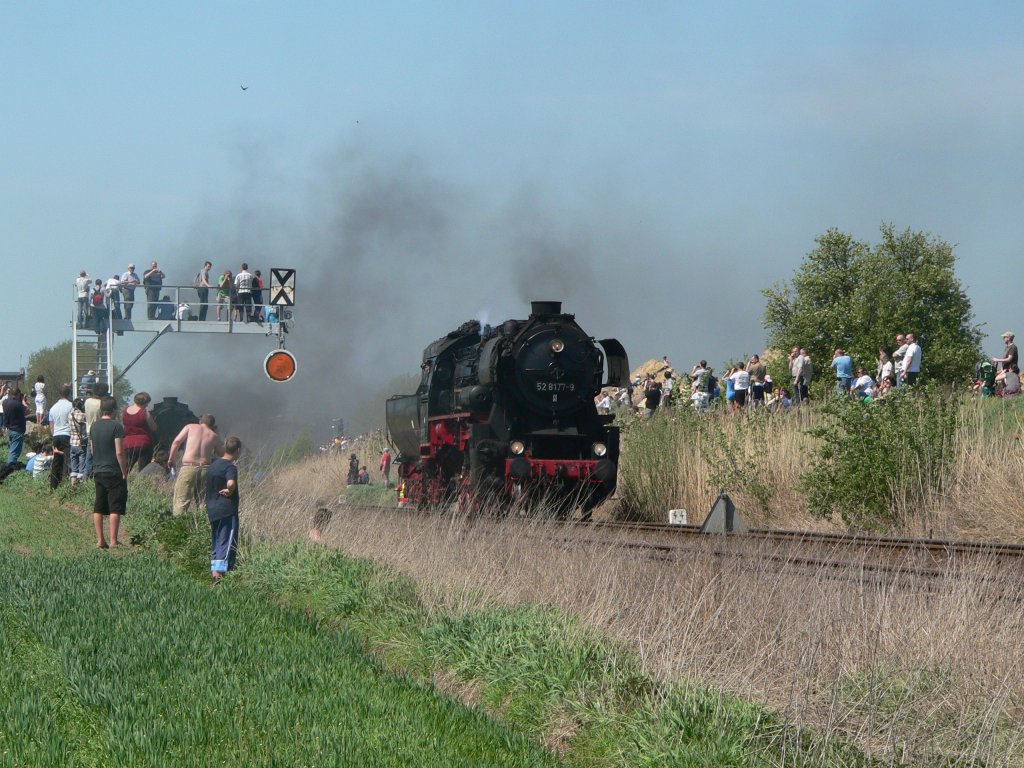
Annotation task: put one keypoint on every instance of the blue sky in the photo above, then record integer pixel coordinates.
(653, 164)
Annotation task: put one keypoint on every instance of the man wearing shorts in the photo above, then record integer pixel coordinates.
(740, 384)
(109, 471)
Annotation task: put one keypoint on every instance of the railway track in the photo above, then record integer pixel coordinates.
(899, 547)
(856, 557)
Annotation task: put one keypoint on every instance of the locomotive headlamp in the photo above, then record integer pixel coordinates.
(517, 447)
(557, 345)
(599, 449)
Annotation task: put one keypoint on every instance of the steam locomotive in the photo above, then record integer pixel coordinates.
(171, 415)
(506, 415)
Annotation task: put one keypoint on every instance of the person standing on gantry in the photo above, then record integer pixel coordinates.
(82, 285)
(153, 279)
(243, 287)
(203, 287)
(129, 282)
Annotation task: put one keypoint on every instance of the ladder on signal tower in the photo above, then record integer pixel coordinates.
(92, 351)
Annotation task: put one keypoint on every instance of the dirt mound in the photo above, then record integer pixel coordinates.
(657, 367)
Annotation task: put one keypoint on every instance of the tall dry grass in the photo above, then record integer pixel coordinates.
(681, 459)
(912, 671)
(986, 483)
(915, 672)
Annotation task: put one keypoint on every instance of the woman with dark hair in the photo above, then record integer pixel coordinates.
(139, 428)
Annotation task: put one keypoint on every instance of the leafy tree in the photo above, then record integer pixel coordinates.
(875, 459)
(850, 294)
(54, 364)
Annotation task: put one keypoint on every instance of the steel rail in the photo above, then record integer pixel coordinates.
(947, 548)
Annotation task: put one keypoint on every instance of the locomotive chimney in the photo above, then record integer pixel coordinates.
(538, 308)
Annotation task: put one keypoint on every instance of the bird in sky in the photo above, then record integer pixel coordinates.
(244, 87)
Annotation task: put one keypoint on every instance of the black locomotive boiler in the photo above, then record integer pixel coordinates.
(506, 415)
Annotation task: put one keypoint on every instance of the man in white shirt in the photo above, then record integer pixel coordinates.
(82, 283)
(862, 386)
(911, 360)
(243, 287)
(60, 423)
(130, 280)
(112, 291)
(897, 357)
(740, 385)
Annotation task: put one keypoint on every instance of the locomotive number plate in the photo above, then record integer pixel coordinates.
(555, 386)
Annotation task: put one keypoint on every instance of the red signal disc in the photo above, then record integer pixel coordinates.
(280, 365)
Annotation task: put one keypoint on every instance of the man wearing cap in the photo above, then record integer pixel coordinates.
(129, 281)
(1009, 358)
(85, 387)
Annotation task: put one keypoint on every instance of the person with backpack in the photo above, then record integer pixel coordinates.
(99, 311)
(203, 286)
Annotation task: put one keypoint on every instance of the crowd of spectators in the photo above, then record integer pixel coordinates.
(238, 297)
(748, 385)
(86, 437)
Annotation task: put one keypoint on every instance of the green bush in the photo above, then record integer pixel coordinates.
(372, 494)
(874, 458)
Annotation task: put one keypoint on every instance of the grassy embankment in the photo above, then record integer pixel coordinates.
(176, 671)
(124, 659)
